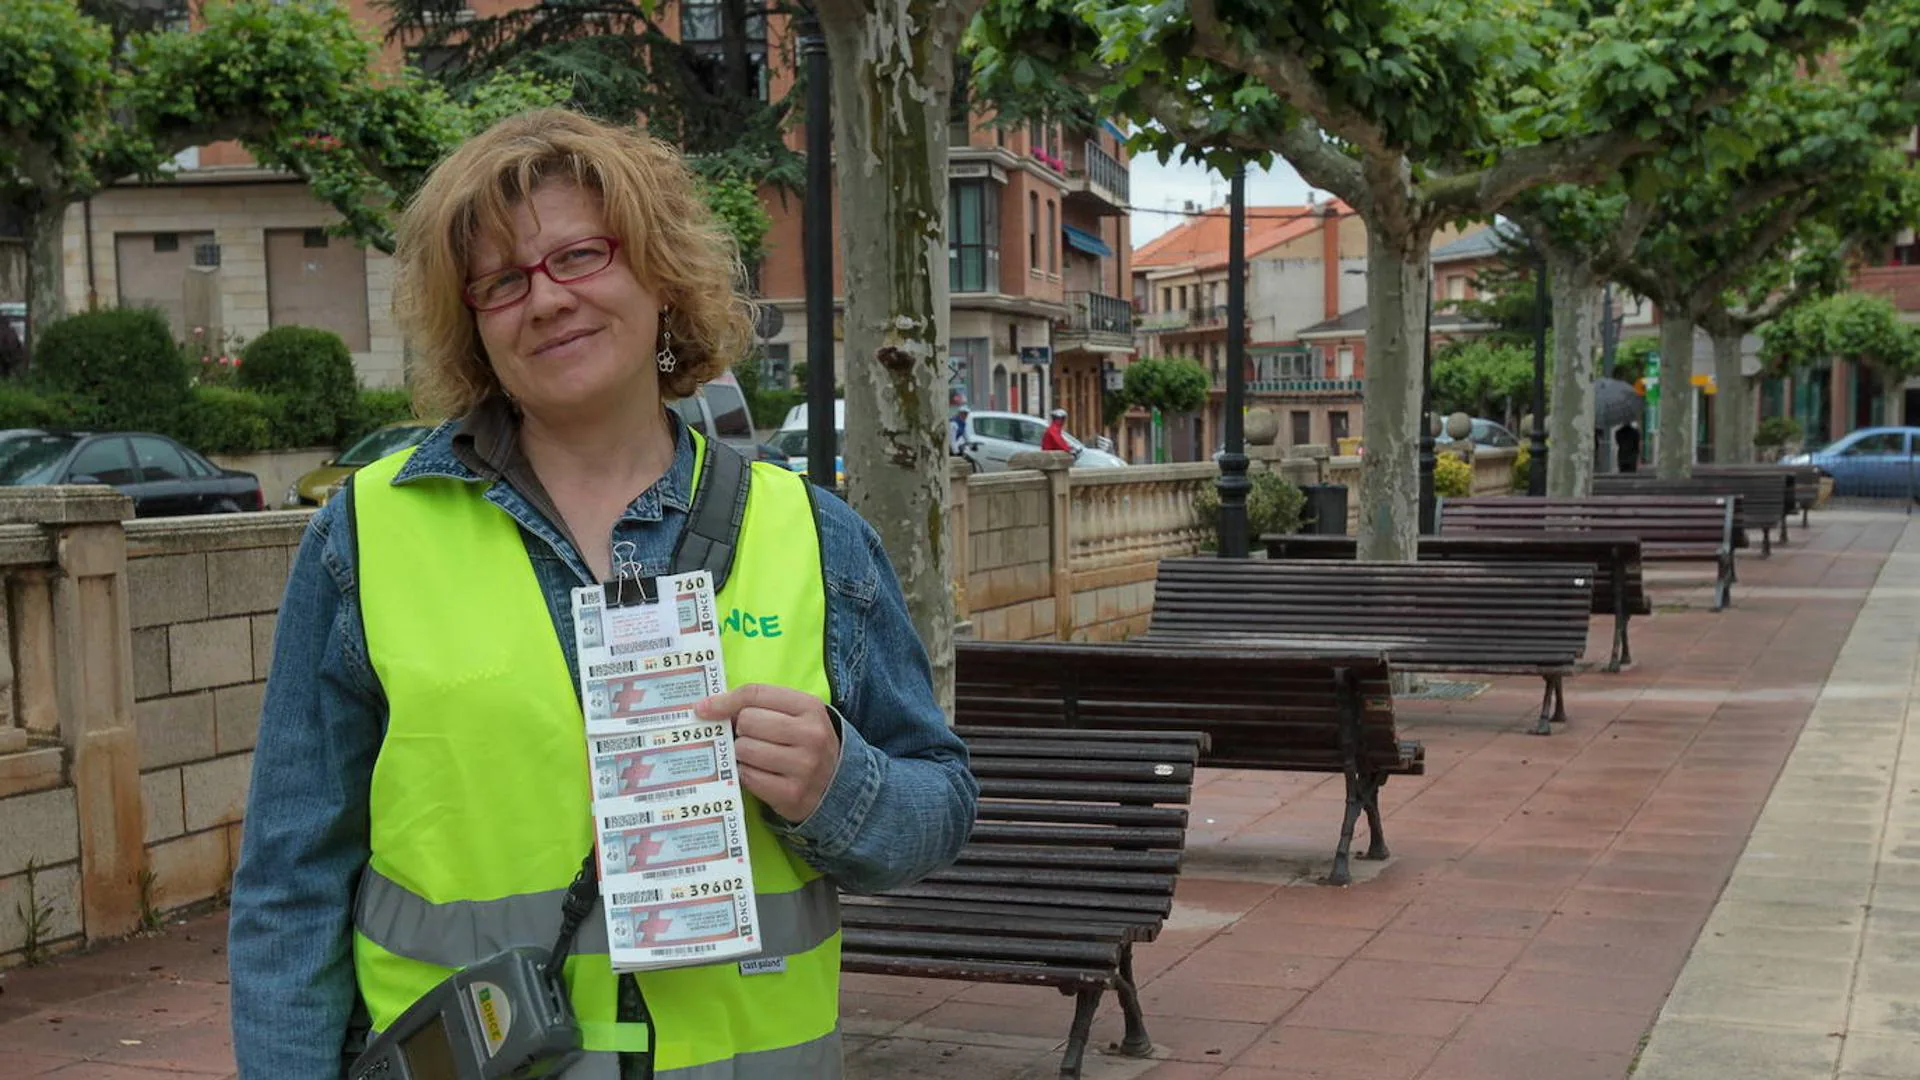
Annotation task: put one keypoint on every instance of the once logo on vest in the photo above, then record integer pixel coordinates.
(747, 624)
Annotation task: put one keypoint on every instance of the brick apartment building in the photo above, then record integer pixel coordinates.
(1038, 249)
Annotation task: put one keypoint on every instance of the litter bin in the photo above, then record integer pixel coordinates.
(1326, 510)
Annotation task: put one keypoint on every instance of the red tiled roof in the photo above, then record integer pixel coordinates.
(1202, 241)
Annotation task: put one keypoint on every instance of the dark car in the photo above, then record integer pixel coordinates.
(162, 477)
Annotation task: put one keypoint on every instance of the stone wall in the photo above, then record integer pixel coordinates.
(1069, 554)
(204, 593)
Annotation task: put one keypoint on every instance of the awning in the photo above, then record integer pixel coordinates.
(1087, 242)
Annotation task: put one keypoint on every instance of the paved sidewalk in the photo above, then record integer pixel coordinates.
(1810, 963)
(1543, 896)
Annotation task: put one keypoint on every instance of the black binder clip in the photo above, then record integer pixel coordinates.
(629, 585)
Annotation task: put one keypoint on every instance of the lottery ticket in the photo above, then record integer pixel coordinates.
(654, 761)
(669, 814)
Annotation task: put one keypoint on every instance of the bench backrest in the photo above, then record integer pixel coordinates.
(1602, 551)
(1655, 519)
(1802, 480)
(1526, 614)
(1260, 708)
(1071, 819)
(1763, 497)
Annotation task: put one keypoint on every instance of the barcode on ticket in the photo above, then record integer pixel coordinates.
(663, 951)
(650, 645)
(641, 896)
(674, 872)
(617, 667)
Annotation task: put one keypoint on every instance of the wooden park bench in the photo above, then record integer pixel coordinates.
(1619, 586)
(1762, 498)
(1692, 528)
(1301, 710)
(1803, 480)
(1072, 860)
(1483, 617)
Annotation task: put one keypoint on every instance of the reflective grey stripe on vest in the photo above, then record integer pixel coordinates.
(816, 1060)
(463, 932)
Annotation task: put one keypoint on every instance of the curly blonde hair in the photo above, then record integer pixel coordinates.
(652, 203)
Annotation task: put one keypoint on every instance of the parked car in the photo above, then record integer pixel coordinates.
(719, 411)
(162, 477)
(1869, 462)
(1485, 433)
(797, 416)
(792, 442)
(994, 437)
(313, 488)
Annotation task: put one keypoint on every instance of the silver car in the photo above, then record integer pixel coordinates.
(994, 437)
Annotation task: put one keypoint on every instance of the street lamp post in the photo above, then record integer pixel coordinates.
(816, 228)
(1537, 468)
(1233, 482)
(1426, 415)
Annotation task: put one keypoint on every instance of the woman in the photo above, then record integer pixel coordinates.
(420, 796)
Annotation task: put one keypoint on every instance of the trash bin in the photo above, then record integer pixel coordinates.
(1326, 511)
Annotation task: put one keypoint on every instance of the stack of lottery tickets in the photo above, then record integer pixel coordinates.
(669, 817)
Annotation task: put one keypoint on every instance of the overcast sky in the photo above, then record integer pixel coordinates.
(1158, 187)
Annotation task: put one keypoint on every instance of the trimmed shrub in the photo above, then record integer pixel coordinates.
(311, 372)
(1452, 477)
(119, 369)
(376, 409)
(1274, 505)
(222, 420)
(20, 407)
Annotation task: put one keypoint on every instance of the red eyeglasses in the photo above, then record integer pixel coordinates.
(568, 263)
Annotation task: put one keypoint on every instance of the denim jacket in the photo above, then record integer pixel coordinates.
(900, 804)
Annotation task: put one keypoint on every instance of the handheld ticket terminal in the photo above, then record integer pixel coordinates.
(505, 1018)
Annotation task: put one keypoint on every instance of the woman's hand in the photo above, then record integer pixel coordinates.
(785, 743)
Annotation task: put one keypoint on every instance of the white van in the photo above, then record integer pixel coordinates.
(797, 416)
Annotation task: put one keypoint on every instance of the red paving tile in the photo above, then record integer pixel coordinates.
(1543, 895)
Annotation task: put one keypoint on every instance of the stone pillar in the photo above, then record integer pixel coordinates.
(1057, 466)
(958, 470)
(92, 667)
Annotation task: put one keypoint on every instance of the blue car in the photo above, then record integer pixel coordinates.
(1872, 462)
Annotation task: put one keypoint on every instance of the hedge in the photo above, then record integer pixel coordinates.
(311, 372)
(119, 369)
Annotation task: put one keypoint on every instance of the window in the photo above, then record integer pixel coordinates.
(159, 460)
(106, 461)
(1053, 239)
(206, 254)
(967, 363)
(776, 365)
(1027, 430)
(996, 427)
(1033, 230)
(314, 238)
(1033, 136)
(973, 240)
(704, 30)
(1166, 298)
(1183, 298)
(432, 60)
(1343, 363)
(1302, 424)
(164, 242)
(1886, 442)
(729, 408)
(1457, 287)
(1337, 428)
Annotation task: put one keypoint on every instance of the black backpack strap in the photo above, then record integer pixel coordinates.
(712, 532)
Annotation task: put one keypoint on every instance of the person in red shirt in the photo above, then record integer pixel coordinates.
(1055, 437)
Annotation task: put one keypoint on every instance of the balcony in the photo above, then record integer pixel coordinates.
(1097, 180)
(1305, 386)
(1095, 321)
(1153, 322)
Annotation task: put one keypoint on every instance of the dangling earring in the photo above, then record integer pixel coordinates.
(663, 356)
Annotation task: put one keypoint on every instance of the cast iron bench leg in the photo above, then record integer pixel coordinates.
(1619, 617)
(1136, 1043)
(1766, 541)
(1545, 726)
(1086, 1003)
(1559, 684)
(1723, 587)
(1342, 866)
(1370, 800)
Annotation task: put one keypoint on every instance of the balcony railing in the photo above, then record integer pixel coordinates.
(1103, 176)
(1306, 386)
(1098, 313)
(1164, 320)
